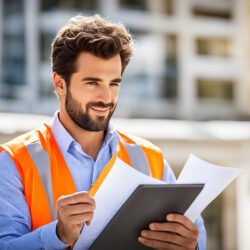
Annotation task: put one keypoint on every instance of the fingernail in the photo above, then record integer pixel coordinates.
(170, 217)
(141, 239)
(152, 226)
(144, 233)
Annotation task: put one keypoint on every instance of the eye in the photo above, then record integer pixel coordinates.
(116, 84)
(92, 83)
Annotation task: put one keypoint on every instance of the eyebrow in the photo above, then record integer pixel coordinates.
(99, 79)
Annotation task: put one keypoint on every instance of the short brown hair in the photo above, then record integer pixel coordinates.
(91, 34)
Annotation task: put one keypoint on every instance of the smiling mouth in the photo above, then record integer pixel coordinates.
(99, 110)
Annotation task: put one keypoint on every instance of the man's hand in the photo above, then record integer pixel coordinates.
(72, 211)
(177, 233)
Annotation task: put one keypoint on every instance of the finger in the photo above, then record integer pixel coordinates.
(79, 197)
(164, 236)
(77, 209)
(158, 244)
(185, 221)
(80, 218)
(170, 227)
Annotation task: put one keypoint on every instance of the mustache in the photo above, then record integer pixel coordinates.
(100, 105)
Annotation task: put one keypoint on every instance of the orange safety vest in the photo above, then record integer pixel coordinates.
(45, 175)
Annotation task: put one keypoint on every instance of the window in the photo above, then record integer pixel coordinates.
(46, 86)
(167, 7)
(215, 89)
(134, 4)
(78, 5)
(213, 46)
(170, 77)
(213, 9)
(136, 79)
(13, 54)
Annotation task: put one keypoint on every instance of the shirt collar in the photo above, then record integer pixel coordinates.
(64, 139)
(62, 136)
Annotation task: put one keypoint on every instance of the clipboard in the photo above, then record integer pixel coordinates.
(147, 204)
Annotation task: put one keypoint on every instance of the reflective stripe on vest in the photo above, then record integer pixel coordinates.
(138, 158)
(41, 160)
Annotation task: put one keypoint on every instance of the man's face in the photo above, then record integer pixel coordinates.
(93, 91)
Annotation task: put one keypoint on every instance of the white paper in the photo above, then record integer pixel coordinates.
(215, 178)
(119, 184)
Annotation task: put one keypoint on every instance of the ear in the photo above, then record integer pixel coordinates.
(59, 84)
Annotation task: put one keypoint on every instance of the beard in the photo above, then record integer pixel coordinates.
(83, 119)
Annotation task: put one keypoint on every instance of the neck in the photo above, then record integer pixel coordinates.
(90, 141)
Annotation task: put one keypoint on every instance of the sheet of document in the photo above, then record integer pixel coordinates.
(122, 180)
(119, 184)
(215, 178)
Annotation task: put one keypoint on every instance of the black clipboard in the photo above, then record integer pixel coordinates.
(148, 203)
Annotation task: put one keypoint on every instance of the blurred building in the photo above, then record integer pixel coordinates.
(191, 59)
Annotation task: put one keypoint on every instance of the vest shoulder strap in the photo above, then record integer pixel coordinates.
(153, 157)
(133, 139)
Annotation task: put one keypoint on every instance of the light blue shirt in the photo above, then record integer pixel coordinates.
(15, 220)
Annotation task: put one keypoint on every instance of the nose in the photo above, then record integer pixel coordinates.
(105, 94)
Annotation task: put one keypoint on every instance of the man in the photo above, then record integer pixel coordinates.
(46, 174)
